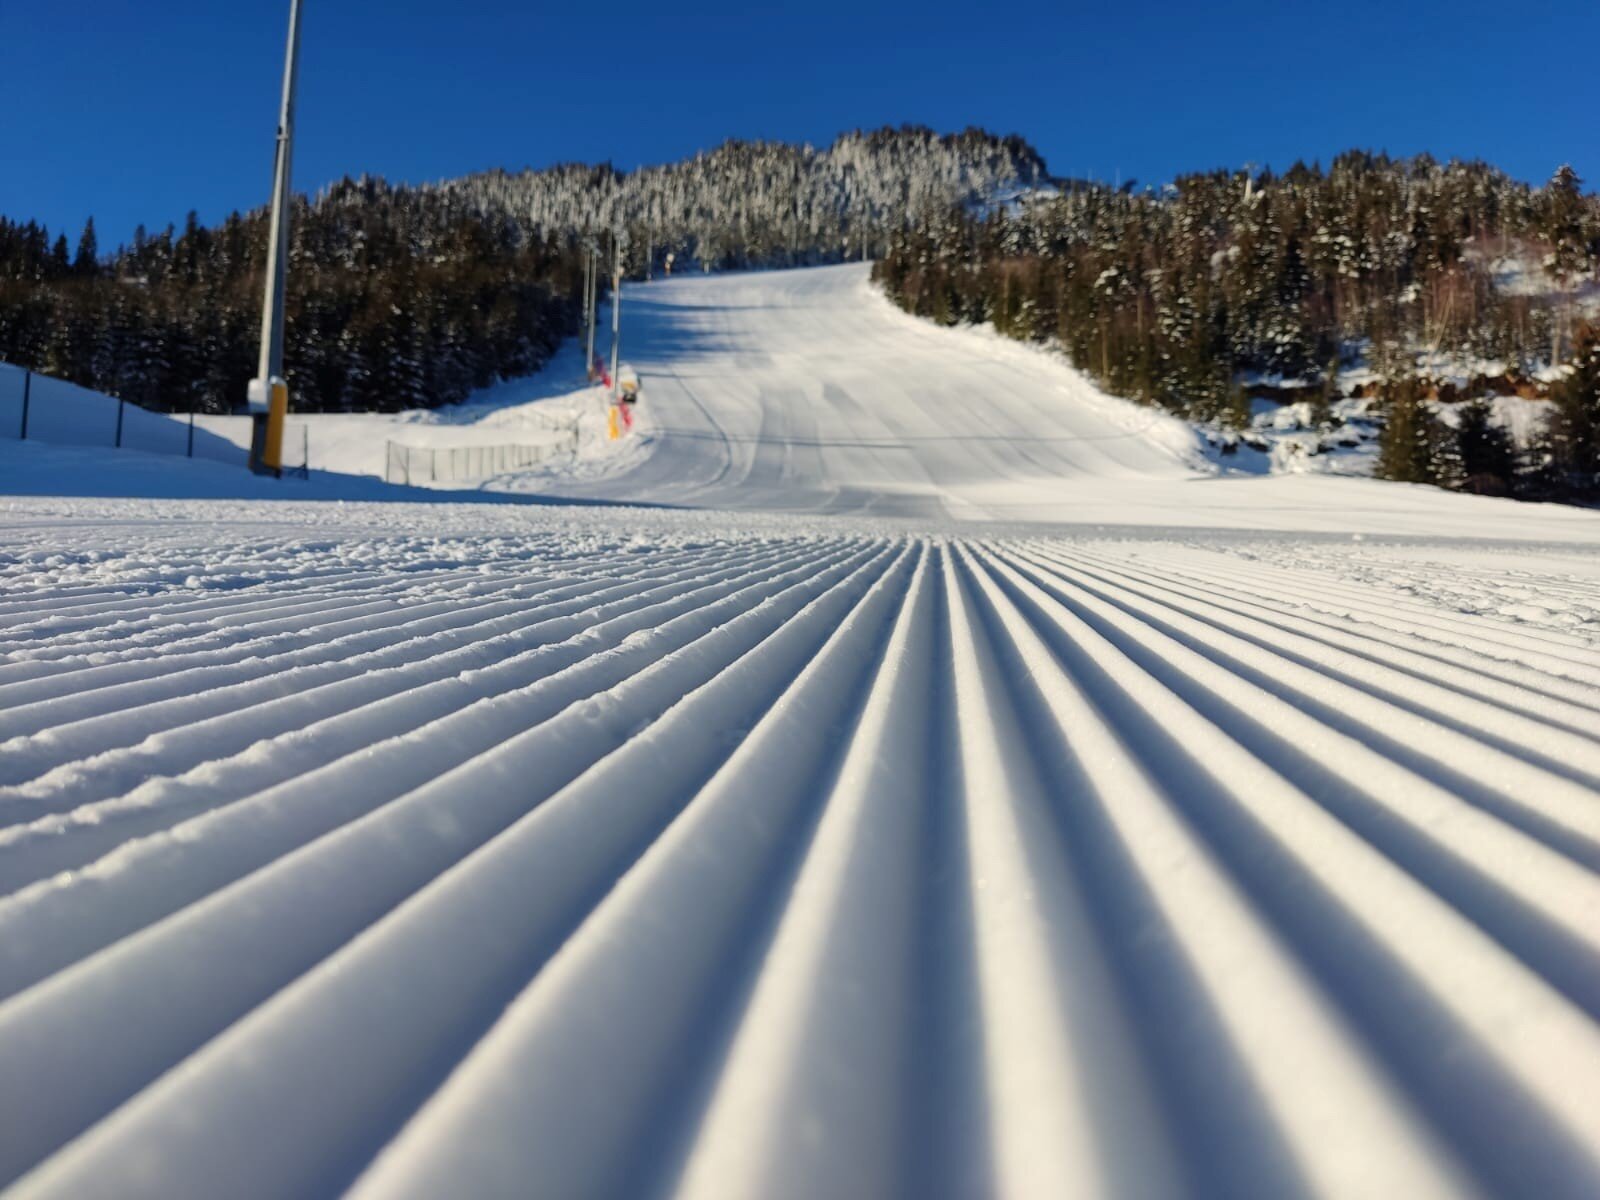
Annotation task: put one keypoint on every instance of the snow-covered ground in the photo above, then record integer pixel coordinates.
(556, 415)
(1055, 816)
(806, 391)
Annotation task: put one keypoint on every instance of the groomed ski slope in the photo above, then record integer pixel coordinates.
(1148, 834)
(806, 391)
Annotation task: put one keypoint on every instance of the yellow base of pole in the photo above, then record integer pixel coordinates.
(277, 416)
(266, 439)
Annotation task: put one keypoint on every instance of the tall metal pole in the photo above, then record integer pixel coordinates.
(584, 340)
(593, 301)
(269, 394)
(278, 234)
(616, 315)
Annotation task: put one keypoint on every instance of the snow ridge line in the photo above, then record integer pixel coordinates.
(160, 978)
(265, 614)
(632, 878)
(1508, 882)
(1441, 691)
(108, 684)
(1485, 629)
(135, 596)
(1549, 805)
(1504, 665)
(565, 610)
(353, 765)
(177, 775)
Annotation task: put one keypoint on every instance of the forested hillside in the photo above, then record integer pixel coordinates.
(406, 296)
(396, 299)
(767, 204)
(1408, 282)
(1439, 282)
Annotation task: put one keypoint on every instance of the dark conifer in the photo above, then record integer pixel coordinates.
(1575, 428)
(87, 263)
(1409, 449)
(1484, 458)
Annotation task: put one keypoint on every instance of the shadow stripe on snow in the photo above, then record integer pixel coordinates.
(65, 840)
(100, 688)
(68, 917)
(160, 610)
(1380, 603)
(1527, 896)
(1551, 808)
(692, 912)
(1228, 1058)
(160, 979)
(1557, 731)
(1428, 1003)
(94, 737)
(824, 1039)
(1462, 660)
(157, 629)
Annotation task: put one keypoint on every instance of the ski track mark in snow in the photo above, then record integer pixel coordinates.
(749, 856)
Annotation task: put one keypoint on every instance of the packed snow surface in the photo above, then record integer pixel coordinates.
(1055, 818)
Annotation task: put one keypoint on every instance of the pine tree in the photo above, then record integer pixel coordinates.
(1575, 424)
(87, 263)
(1236, 409)
(1561, 223)
(1484, 458)
(1323, 396)
(1409, 446)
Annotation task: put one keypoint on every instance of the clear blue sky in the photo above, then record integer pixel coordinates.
(139, 110)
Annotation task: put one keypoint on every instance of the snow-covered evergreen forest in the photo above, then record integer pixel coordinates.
(397, 299)
(1429, 283)
(1406, 282)
(407, 296)
(766, 204)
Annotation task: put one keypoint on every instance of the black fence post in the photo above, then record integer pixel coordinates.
(120, 403)
(27, 391)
